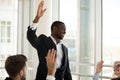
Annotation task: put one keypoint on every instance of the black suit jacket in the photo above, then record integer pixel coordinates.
(42, 45)
(8, 78)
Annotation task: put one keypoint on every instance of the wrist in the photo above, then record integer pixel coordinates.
(36, 19)
(51, 73)
(97, 72)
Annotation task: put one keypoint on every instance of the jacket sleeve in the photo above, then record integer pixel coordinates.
(33, 39)
(67, 75)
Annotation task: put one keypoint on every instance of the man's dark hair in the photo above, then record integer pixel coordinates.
(14, 64)
(116, 78)
(56, 24)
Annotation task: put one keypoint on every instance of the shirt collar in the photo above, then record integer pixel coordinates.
(55, 40)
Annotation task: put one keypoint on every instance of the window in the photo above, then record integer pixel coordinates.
(91, 37)
(8, 31)
(78, 16)
(111, 37)
(5, 29)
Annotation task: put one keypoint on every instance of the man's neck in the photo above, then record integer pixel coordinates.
(17, 78)
(57, 40)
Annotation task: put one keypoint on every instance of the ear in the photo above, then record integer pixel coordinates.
(21, 72)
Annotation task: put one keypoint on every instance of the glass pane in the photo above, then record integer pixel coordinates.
(78, 16)
(2, 31)
(8, 23)
(8, 38)
(8, 31)
(107, 71)
(85, 78)
(87, 31)
(70, 20)
(111, 31)
(105, 79)
(75, 77)
(3, 22)
(86, 70)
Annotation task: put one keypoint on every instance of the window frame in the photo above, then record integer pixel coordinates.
(98, 32)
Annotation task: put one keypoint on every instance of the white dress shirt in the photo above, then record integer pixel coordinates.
(59, 52)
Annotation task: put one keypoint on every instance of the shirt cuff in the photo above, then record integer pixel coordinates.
(50, 77)
(33, 26)
(96, 76)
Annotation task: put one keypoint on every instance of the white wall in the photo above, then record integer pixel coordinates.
(46, 20)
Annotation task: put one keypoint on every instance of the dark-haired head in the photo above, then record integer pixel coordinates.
(58, 29)
(116, 78)
(15, 65)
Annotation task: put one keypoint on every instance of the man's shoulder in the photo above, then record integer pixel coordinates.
(7, 78)
(43, 36)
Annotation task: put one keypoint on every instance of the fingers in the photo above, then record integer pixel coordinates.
(51, 55)
(51, 62)
(99, 67)
(100, 63)
(41, 3)
(44, 11)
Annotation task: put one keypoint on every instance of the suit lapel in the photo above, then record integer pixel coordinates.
(64, 56)
(51, 44)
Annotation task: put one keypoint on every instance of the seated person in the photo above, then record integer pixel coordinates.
(115, 78)
(116, 75)
(116, 69)
(15, 66)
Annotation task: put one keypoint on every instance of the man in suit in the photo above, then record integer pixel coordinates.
(43, 43)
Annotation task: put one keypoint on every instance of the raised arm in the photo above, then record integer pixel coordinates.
(40, 12)
(98, 70)
(99, 67)
(51, 64)
(31, 36)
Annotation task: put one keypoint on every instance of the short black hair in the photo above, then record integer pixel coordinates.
(14, 64)
(116, 78)
(56, 24)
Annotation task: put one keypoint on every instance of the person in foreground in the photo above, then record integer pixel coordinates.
(42, 44)
(15, 66)
(116, 74)
(51, 64)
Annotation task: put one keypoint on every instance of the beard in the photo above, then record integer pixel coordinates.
(59, 37)
(23, 78)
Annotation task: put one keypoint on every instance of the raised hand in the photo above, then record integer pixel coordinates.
(99, 67)
(40, 12)
(51, 62)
